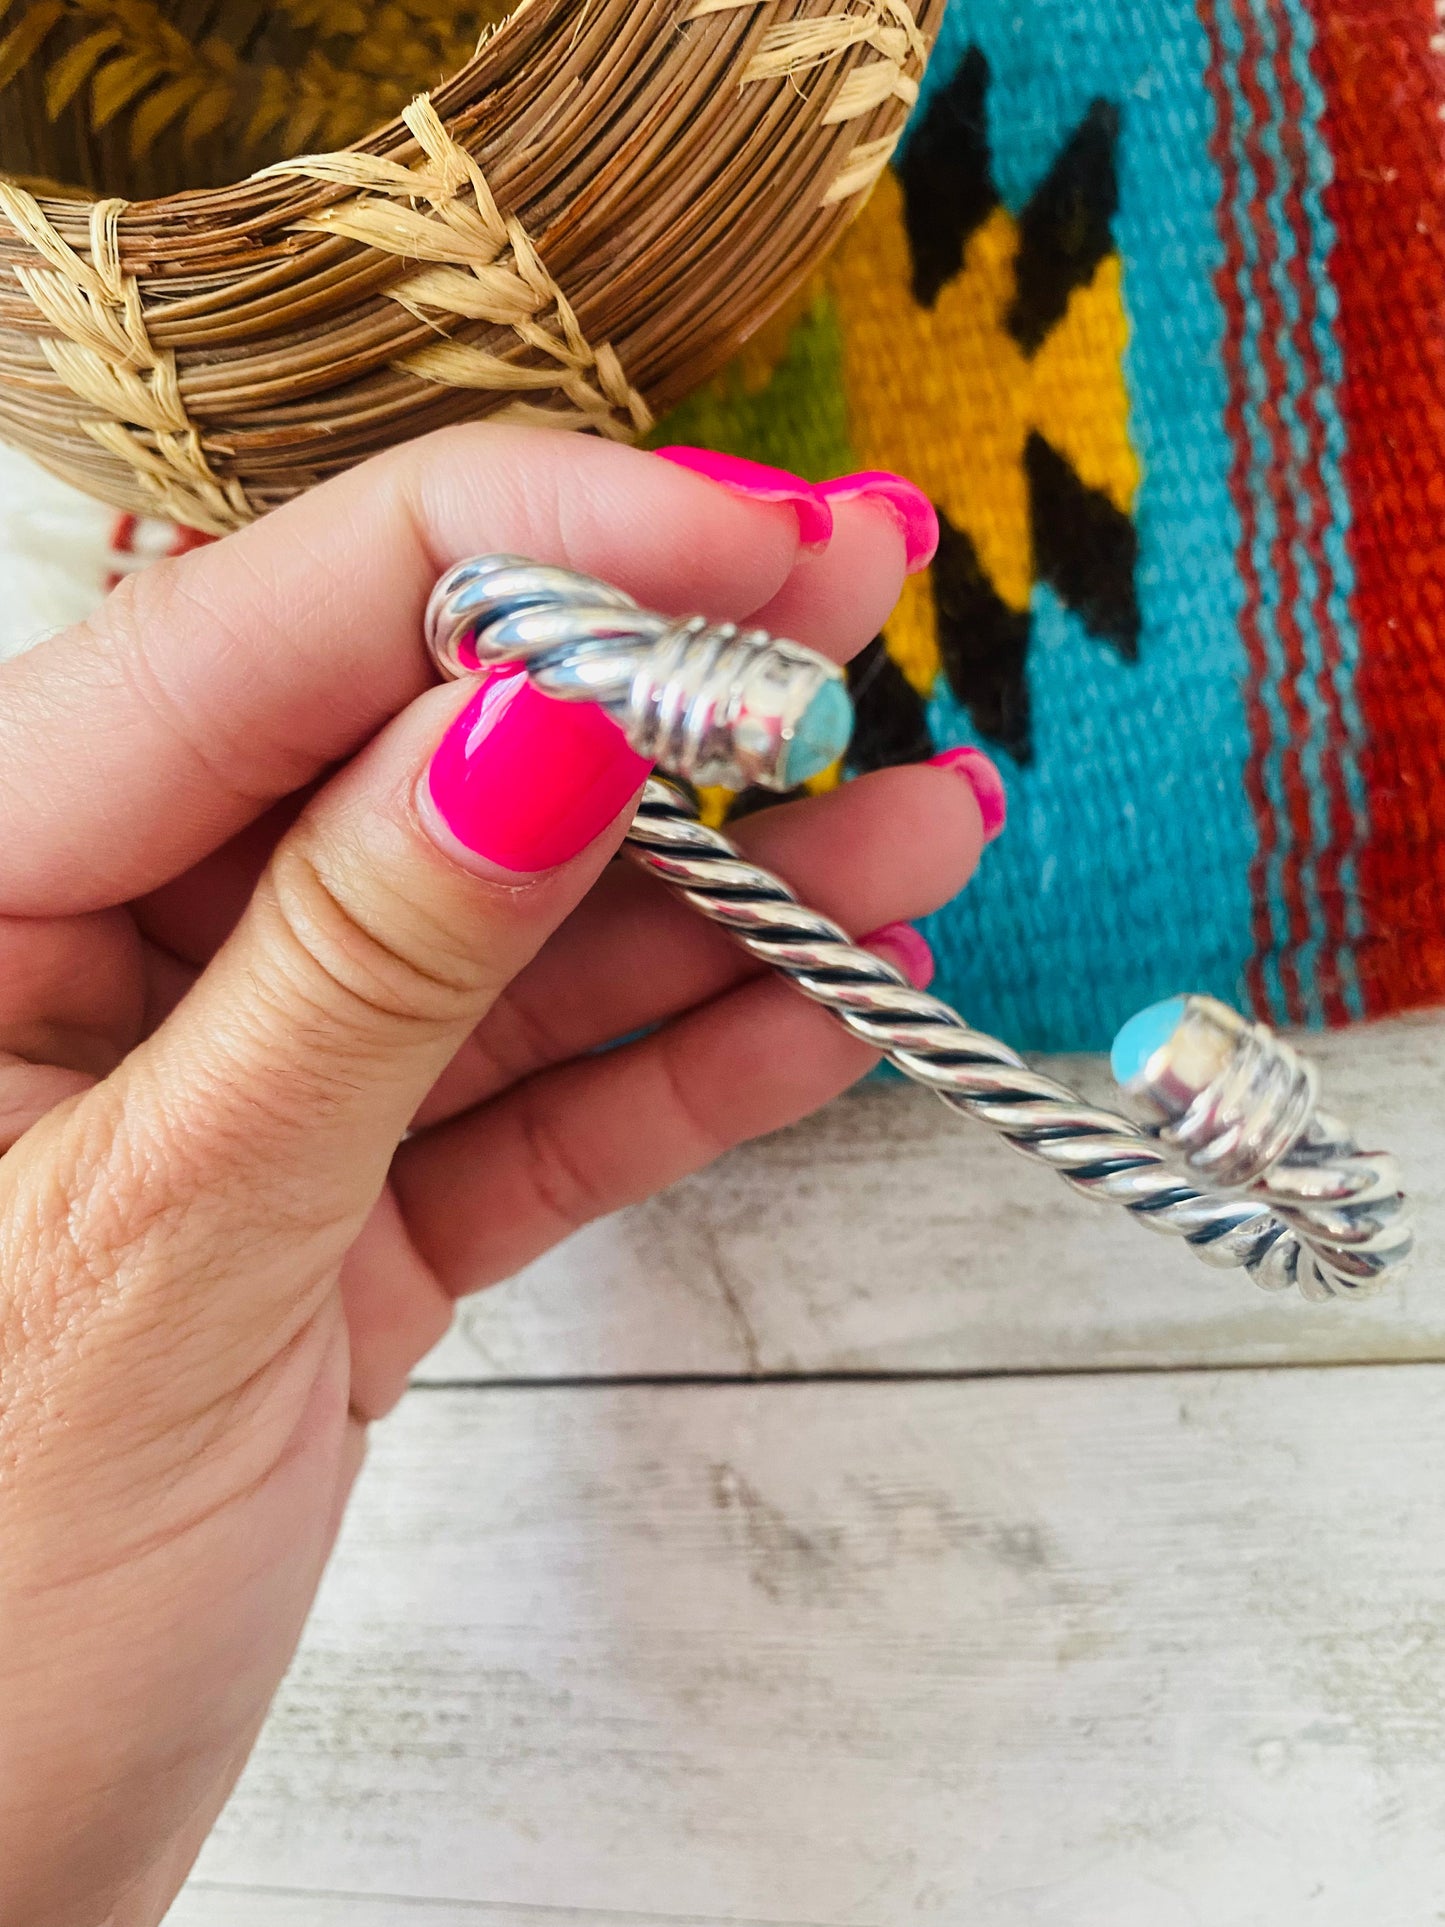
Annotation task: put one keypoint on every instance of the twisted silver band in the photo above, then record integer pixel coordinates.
(1319, 1214)
(1239, 1162)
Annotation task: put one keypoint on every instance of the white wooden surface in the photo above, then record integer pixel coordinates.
(999, 1614)
(1147, 1651)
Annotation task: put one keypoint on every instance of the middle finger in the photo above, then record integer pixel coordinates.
(896, 844)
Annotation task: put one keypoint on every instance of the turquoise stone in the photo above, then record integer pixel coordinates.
(1146, 1032)
(820, 736)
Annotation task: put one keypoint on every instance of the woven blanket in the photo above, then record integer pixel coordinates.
(1151, 305)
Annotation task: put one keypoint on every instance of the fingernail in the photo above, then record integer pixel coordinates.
(521, 781)
(904, 501)
(984, 780)
(900, 944)
(756, 482)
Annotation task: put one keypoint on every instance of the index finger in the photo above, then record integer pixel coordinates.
(207, 688)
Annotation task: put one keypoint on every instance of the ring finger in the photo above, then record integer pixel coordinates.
(895, 844)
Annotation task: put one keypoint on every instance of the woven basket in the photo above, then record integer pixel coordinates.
(604, 199)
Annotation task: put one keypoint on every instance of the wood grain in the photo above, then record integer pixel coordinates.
(208, 1905)
(885, 1235)
(1153, 1651)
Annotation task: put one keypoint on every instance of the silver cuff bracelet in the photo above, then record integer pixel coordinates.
(1230, 1151)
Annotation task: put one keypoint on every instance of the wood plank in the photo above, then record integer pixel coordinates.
(205, 1904)
(887, 1235)
(1142, 1651)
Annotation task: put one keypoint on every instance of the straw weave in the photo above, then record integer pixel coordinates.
(574, 230)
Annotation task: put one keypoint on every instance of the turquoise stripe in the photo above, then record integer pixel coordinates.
(1309, 679)
(1330, 527)
(1317, 176)
(1124, 872)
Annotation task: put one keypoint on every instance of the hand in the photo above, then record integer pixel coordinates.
(245, 944)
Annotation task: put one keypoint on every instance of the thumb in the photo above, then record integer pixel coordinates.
(392, 915)
(248, 1138)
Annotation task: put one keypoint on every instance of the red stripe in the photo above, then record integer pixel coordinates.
(1229, 284)
(1384, 90)
(1341, 832)
(1282, 481)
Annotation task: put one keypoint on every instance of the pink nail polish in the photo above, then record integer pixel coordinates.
(983, 779)
(904, 501)
(521, 781)
(758, 483)
(907, 948)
